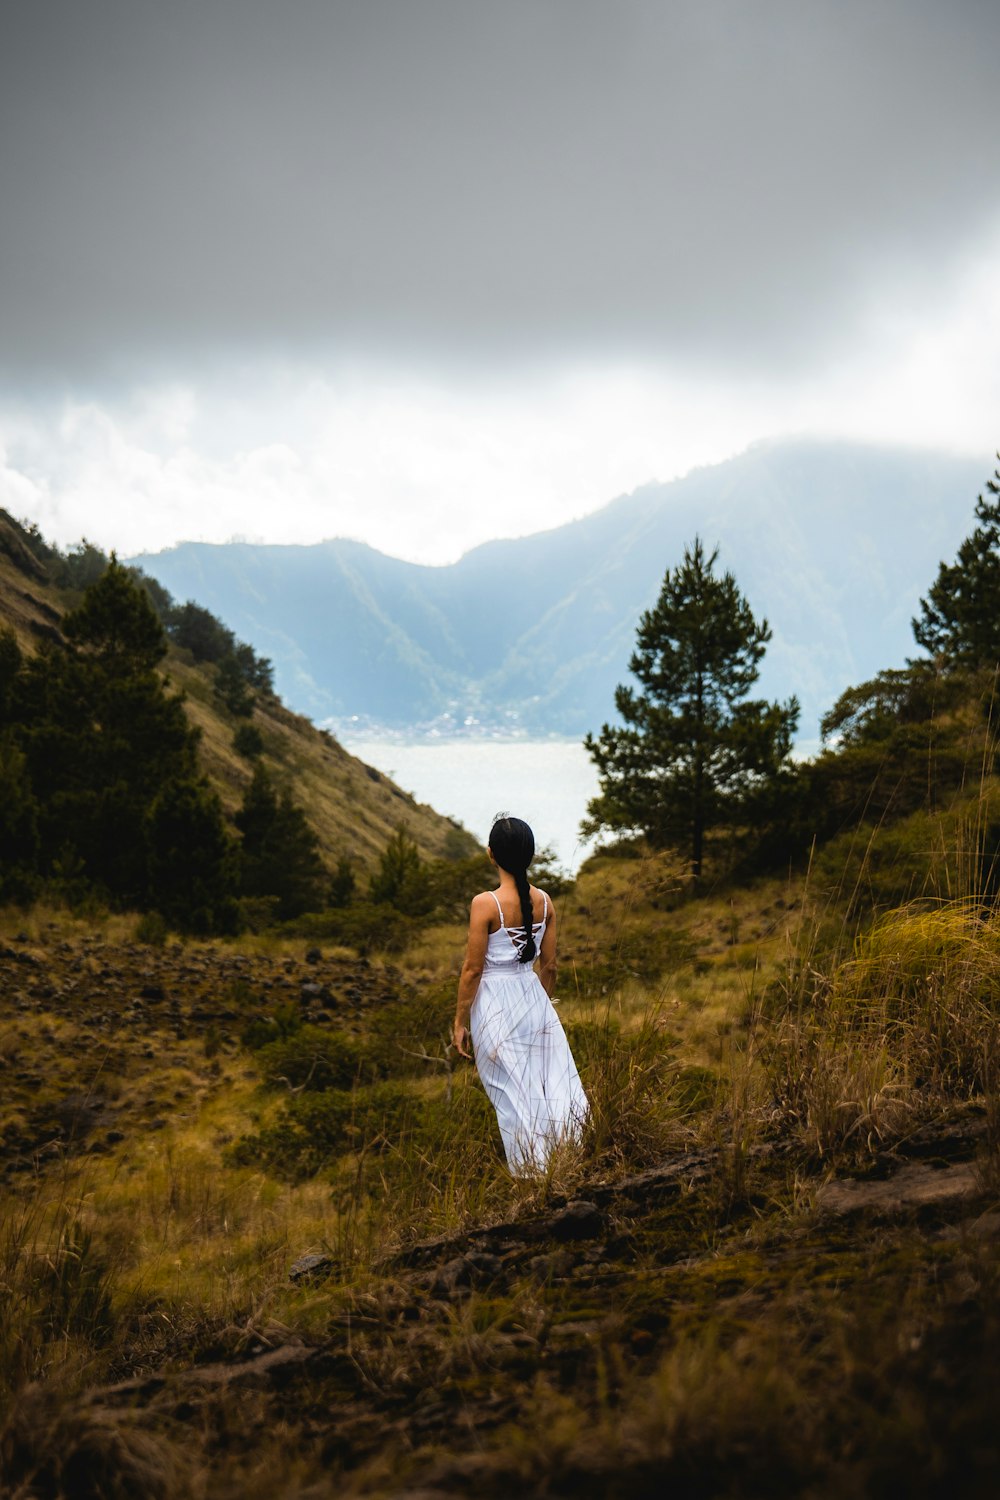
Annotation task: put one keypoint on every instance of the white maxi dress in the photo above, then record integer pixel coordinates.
(522, 1054)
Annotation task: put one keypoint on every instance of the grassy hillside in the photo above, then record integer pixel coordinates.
(258, 1237)
(352, 807)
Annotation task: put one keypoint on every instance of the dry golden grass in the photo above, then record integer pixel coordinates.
(720, 1023)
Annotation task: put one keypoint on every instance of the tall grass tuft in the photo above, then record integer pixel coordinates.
(630, 1076)
(58, 1308)
(906, 1026)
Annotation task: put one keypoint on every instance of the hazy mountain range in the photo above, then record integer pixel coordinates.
(833, 542)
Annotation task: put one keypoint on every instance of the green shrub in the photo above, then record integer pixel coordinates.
(366, 926)
(151, 929)
(285, 1022)
(316, 1058)
(312, 1129)
(407, 1031)
(248, 741)
(412, 1138)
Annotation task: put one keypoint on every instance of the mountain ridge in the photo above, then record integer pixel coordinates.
(833, 542)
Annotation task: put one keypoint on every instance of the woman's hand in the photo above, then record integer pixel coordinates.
(461, 1039)
(472, 970)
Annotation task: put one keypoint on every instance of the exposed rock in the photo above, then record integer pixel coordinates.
(270, 1368)
(311, 1267)
(559, 1263)
(914, 1186)
(951, 1140)
(476, 1269)
(77, 1114)
(579, 1220)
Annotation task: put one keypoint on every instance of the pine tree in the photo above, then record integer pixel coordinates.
(398, 877)
(116, 623)
(960, 618)
(691, 755)
(280, 853)
(102, 736)
(192, 858)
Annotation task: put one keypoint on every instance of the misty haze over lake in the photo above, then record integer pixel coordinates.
(546, 782)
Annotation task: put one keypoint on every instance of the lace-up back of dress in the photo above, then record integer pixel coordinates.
(503, 950)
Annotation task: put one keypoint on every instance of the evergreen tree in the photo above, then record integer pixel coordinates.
(902, 741)
(80, 567)
(197, 630)
(102, 735)
(342, 885)
(691, 755)
(18, 824)
(280, 853)
(248, 741)
(231, 688)
(398, 877)
(116, 623)
(960, 618)
(11, 662)
(192, 858)
(108, 756)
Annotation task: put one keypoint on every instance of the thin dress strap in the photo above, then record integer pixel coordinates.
(541, 923)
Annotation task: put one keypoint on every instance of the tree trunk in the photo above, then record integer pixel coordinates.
(698, 801)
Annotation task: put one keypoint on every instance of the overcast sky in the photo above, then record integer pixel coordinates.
(429, 271)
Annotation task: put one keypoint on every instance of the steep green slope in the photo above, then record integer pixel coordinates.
(353, 808)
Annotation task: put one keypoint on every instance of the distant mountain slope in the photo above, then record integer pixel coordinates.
(353, 808)
(833, 542)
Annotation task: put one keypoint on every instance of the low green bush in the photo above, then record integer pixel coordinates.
(366, 926)
(413, 1136)
(285, 1022)
(414, 1028)
(315, 1058)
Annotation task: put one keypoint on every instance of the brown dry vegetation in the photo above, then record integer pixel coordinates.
(770, 1269)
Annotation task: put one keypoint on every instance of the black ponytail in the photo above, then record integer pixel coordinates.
(527, 953)
(513, 846)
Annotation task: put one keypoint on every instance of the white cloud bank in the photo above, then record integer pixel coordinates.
(426, 467)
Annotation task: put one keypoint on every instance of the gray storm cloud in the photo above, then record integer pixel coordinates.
(734, 183)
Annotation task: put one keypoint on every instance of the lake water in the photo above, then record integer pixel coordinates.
(546, 782)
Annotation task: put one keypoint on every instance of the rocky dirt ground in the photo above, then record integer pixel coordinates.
(101, 1039)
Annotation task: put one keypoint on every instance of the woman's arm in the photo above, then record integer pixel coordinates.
(547, 956)
(472, 968)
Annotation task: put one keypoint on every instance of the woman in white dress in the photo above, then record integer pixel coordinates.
(521, 1051)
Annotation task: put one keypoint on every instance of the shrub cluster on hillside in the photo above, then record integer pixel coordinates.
(240, 672)
(100, 789)
(101, 794)
(102, 798)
